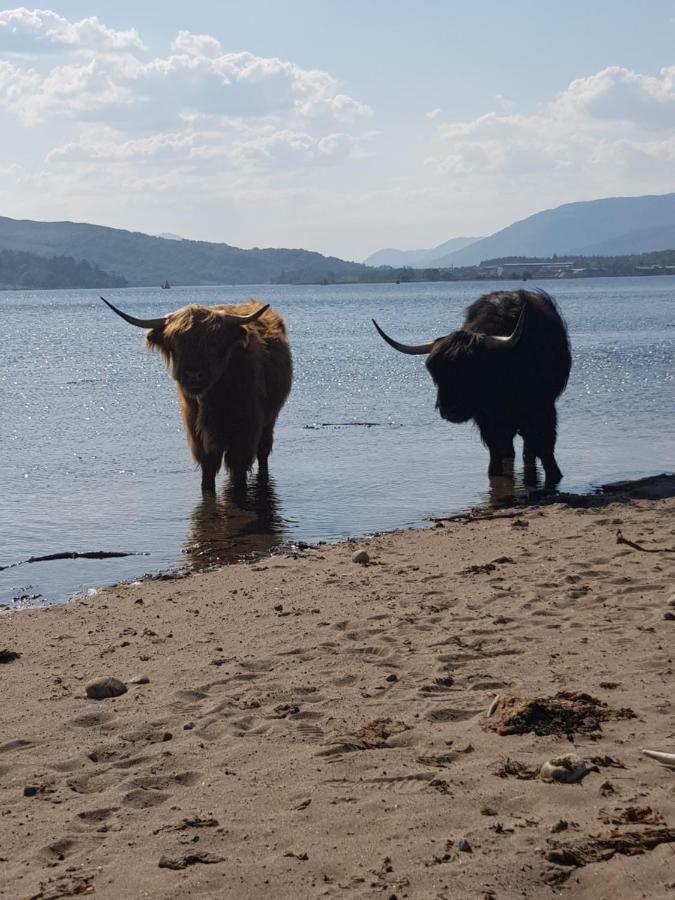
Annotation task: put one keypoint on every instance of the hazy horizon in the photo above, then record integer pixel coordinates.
(339, 128)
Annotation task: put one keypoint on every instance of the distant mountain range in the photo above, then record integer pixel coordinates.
(615, 226)
(145, 260)
(418, 259)
(610, 227)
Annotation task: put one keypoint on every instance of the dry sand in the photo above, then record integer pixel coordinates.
(314, 727)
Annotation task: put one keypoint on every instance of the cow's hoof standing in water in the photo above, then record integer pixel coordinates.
(233, 370)
(505, 369)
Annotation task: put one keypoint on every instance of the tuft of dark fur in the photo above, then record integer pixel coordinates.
(506, 392)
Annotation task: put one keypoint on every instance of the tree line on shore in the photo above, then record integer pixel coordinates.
(661, 262)
(21, 270)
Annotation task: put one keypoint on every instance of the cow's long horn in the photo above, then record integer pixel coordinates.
(231, 319)
(501, 342)
(666, 759)
(132, 320)
(404, 348)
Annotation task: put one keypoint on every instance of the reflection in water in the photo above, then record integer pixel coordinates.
(225, 529)
(504, 489)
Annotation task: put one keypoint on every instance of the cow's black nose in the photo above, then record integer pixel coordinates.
(194, 379)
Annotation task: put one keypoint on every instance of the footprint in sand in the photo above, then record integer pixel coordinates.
(451, 714)
(93, 719)
(96, 817)
(94, 782)
(67, 847)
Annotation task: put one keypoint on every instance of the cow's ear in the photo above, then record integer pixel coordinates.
(241, 335)
(155, 339)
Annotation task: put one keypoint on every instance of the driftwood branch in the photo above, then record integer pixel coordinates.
(469, 517)
(620, 539)
(73, 554)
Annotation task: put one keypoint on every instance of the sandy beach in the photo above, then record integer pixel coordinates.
(312, 726)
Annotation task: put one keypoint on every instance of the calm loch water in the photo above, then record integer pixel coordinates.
(93, 456)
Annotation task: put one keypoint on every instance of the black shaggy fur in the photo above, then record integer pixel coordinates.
(506, 392)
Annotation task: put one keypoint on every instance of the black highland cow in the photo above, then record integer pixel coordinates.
(505, 369)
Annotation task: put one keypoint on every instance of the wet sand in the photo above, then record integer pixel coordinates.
(312, 726)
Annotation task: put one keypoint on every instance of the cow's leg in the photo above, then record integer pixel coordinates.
(264, 449)
(498, 438)
(529, 454)
(239, 457)
(209, 457)
(210, 463)
(539, 437)
(529, 462)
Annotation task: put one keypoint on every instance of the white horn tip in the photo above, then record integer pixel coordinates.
(666, 759)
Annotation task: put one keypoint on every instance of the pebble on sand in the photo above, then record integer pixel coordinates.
(139, 679)
(567, 769)
(361, 556)
(103, 688)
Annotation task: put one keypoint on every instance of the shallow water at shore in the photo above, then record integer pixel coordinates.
(92, 454)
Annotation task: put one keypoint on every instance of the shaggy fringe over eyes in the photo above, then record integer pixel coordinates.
(452, 348)
(269, 327)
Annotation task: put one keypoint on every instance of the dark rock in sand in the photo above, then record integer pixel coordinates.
(361, 556)
(103, 688)
(565, 713)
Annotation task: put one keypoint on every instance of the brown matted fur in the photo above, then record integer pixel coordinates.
(232, 381)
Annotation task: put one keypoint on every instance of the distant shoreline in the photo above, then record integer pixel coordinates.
(476, 278)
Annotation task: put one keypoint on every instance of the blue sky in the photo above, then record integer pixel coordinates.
(337, 126)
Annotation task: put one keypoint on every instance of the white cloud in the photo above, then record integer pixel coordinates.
(199, 134)
(601, 127)
(196, 79)
(25, 30)
(196, 44)
(619, 94)
(200, 126)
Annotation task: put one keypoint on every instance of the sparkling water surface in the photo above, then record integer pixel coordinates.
(93, 455)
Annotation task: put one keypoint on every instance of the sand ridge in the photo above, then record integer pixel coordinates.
(314, 727)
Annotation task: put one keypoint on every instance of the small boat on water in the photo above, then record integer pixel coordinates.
(165, 286)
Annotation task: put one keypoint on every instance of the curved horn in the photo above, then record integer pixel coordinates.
(404, 348)
(132, 320)
(499, 342)
(231, 319)
(666, 759)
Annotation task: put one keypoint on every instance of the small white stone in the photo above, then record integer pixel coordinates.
(568, 768)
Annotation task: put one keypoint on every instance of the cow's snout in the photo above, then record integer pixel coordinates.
(194, 380)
